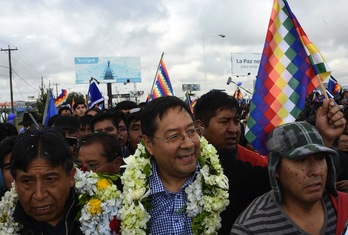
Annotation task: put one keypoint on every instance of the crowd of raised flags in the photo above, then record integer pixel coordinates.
(94, 98)
(291, 68)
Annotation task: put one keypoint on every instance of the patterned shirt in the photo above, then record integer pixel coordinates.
(265, 216)
(168, 209)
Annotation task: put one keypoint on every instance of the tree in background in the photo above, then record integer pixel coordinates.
(76, 97)
(42, 97)
(41, 101)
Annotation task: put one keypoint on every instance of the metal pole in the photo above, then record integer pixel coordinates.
(56, 84)
(205, 71)
(204, 64)
(10, 71)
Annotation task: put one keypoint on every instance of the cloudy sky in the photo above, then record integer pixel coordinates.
(50, 33)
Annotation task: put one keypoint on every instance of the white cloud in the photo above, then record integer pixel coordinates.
(49, 34)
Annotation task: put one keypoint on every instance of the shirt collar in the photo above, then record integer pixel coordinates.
(156, 184)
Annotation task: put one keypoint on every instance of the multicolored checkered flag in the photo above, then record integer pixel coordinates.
(61, 98)
(162, 85)
(291, 66)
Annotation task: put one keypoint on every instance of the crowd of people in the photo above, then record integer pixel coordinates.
(181, 172)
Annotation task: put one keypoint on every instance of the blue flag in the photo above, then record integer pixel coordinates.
(95, 96)
(329, 94)
(333, 86)
(51, 109)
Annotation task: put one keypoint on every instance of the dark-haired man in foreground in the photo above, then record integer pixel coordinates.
(43, 169)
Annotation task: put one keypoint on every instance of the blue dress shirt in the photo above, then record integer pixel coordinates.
(168, 209)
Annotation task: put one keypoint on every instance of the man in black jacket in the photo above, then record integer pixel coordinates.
(42, 166)
(219, 115)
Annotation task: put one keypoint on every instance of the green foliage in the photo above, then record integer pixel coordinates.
(41, 101)
(76, 96)
(197, 227)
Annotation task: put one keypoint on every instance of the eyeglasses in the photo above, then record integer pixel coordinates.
(92, 167)
(193, 134)
(343, 141)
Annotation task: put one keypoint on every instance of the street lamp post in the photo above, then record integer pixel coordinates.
(204, 37)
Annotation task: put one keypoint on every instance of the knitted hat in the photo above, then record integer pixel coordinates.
(293, 141)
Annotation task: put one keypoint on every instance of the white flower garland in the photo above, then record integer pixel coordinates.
(101, 202)
(7, 207)
(207, 196)
(100, 198)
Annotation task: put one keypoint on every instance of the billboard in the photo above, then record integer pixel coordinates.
(245, 63)
(107, 69)
(190, 87)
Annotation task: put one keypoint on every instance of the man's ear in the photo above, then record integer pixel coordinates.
(72, 177)
(148, 144)
(117, 162)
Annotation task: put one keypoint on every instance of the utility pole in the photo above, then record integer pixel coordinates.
(10, 70)
(42, 88)
(56, 84)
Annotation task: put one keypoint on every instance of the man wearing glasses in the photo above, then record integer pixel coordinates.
(101, 153)
(170, 137)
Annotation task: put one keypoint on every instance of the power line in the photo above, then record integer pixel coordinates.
(19, 91)
(24, 63)
(23, 67)
(25, 81)
(31, 65)
(6, 43)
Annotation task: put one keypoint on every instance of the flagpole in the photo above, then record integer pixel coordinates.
(322, 87)
(188, 98)
(154, 80)
(89, 87)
